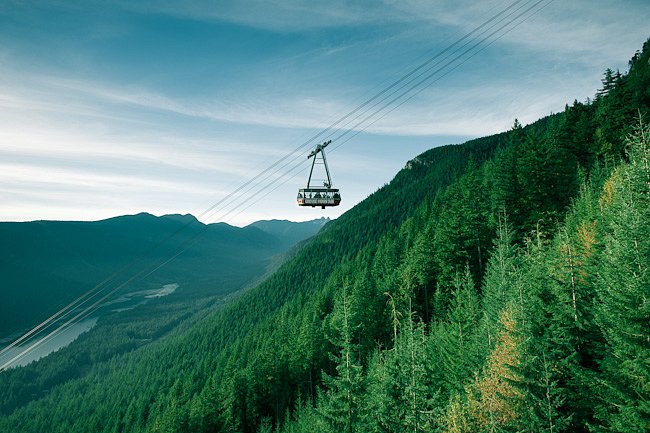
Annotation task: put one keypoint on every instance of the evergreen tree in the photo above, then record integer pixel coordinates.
(420, 395)
(548, 178)
(419, 271)
(340, 405)
(623, 293)
(544, 398)
(502, 178)
(378, 412)
(550, 358)
(457, 336)
(401, 395)
(502, 285)
(576, 133)
(494, 401)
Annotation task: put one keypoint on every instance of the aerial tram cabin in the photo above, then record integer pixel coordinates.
(319, 195)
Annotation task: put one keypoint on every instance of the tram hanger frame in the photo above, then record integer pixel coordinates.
(322, 196)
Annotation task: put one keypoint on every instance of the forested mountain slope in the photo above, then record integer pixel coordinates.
(498, 285)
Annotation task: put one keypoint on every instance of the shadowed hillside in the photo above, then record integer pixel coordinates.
(47, 264)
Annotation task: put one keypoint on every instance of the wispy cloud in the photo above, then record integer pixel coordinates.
(87, 179)
(471, 109)
(592, 30)
(89, 98)
(276, 15)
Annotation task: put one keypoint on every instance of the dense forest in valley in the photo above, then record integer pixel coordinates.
(501, 285)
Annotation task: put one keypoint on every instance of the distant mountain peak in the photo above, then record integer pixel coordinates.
(320, 221)
(186, 218)
(290, 232)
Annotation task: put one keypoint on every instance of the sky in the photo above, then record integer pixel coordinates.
(112, 107)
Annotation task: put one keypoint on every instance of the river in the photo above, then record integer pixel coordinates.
(21, 355)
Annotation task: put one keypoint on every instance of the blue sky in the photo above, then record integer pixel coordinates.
(114, 107)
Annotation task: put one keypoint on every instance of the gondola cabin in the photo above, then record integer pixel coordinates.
(319, 197)
(322, 196)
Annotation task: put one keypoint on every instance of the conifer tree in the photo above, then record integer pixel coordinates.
(576, 133)
(377, 412)
(544, 398)
(501, 285)
(369, 324)
(494, 401)
(549, 354)
(340, 405)
(502, 177)
(418, 397)
(419, 271)
(401, 396)
(459, 349)
(547, 175)
(624, 293)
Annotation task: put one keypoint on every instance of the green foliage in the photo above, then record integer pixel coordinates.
(502, 284)
(458, 335)
(401, 395)
(623, 309)
(340, 404)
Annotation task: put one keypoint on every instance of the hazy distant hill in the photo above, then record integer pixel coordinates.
(289, 232)
(46, 264)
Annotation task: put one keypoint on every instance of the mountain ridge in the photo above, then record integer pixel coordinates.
(59, 259)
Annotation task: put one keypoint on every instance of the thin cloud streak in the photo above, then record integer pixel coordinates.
(53, 177)
(557, 22)
(216, 157)
(275, 15)
(93, 98)
(312, 112)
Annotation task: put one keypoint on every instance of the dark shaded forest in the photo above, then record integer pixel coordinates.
(501, 285)
(51, 263)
